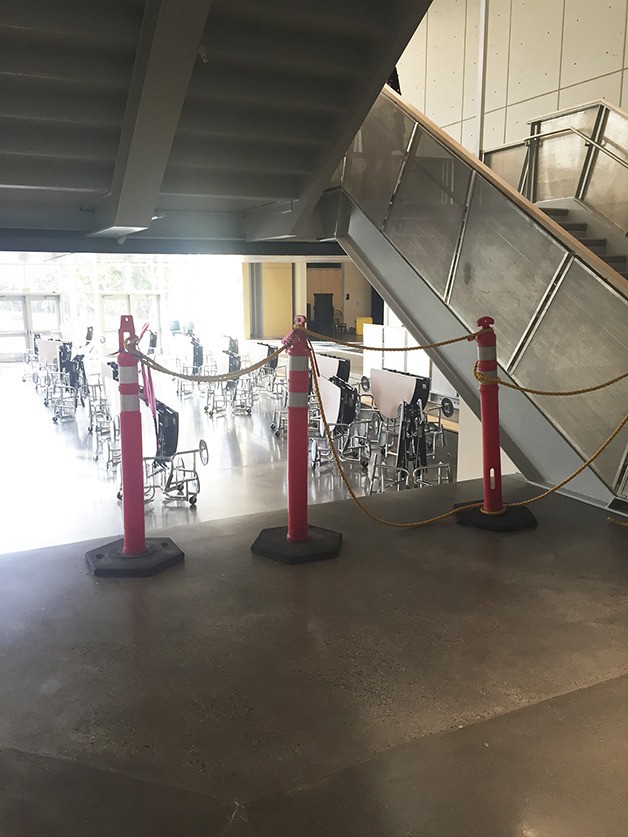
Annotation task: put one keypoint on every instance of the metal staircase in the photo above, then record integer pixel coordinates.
(445, 241)
(580, 230)
(216, 126)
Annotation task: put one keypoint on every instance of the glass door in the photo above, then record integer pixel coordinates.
(143, 307)
(43, 316)
(24, 315)
(13, 328)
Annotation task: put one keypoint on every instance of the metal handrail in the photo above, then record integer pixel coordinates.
(545, 134)
(571, 244)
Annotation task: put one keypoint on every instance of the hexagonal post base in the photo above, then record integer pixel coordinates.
(110, 561)
(320, 545)
(512, 519)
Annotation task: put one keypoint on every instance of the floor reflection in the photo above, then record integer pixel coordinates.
(51, 466)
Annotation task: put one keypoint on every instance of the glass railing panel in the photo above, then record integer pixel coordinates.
(607, 190)
(615, 134)
(506, 265)
(607, 187)
(559, 162)
(375, 157)
(579, 343)
(559, 159)
(508, 163)
(582, 120)
(336, 177)
(426, 216)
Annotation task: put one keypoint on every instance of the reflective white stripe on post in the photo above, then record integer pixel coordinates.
(487, 353)
(297, 363)
(297, 399)
(127, 374)
(129, 403)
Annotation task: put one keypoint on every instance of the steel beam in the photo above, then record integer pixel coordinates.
(168, 44)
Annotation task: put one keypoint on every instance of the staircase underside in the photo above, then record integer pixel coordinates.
(182, 125)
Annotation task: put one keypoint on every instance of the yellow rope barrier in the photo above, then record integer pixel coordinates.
(487, 379)
(428, 521)
(349, 487)
(465, 337)
(200, 379)
(586, 464)
(131, 347)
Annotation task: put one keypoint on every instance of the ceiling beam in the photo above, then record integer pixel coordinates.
(168, 44)
(403, 19)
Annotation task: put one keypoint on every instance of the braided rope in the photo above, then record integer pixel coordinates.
(414, 525)
(419, 523)
(467, 337)
(131, 347)
(487, 379)
(579, 470)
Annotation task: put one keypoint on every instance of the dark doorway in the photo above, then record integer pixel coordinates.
(377, 307)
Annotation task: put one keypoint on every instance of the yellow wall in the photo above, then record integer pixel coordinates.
(359, 289)
(246, 299)
(325, 280)
(277, 298)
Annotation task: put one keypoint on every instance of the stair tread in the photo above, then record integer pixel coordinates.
(594, 242)
(555, 211)
(575, 225)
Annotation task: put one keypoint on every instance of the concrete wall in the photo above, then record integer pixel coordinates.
(541, 56)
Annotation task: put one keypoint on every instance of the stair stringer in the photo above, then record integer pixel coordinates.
(538, 449)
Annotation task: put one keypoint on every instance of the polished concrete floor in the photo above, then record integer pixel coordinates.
(50, 468)
(440, 681)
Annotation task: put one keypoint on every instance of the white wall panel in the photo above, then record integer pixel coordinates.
(517, 115)
(497, 53)
(469, 134)
(454, 131)
(494, 128)
(373, 336)
(624, 92)
(607, 87)
(445, 61)
(472, 35)
(411, 68)
(534, 48)
(591, 49)
(470, 447)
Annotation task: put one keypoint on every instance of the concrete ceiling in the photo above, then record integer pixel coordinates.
(183, 125)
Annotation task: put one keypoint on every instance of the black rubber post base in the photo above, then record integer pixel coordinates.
(109, 560)
(320, 545)
(512, 519)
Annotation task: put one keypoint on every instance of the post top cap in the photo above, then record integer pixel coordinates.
(485, 322)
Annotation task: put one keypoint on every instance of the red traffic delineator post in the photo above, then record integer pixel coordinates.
(133, 555)
(297, 543)
(493, 514)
